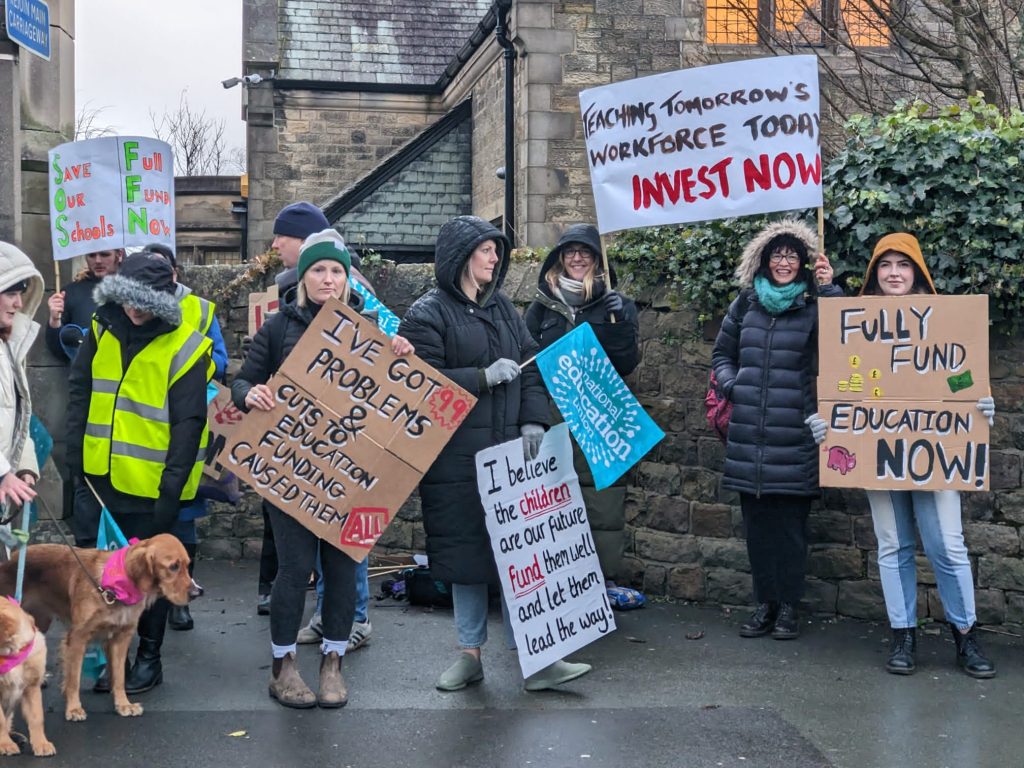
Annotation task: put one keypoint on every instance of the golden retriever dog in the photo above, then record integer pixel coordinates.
(57, 586)
(22, 668)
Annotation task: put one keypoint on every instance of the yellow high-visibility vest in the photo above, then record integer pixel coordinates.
(128, 429)
(199, 314)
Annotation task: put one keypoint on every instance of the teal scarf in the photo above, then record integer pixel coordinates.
(776, 299)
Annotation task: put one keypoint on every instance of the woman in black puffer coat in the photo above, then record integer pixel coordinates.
(322, 271)
(571, 290)
(472, 333)
(765, 363)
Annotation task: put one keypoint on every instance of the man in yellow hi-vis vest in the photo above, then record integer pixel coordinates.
(137, 415)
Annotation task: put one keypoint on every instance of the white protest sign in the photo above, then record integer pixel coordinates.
(705, 143)
(112, 192)
(547, 564)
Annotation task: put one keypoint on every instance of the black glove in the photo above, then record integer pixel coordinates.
(165, 515)
(612, 303)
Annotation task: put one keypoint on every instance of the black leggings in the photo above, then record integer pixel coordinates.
(777, 545)
(296, 556)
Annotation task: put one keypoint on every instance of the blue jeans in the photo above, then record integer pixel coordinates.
(362, 589)
(937, 514)
(470, 601)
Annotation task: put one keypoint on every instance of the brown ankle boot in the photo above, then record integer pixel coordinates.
(287, 687)
(333, 693)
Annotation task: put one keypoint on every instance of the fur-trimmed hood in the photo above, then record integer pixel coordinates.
(750, 261)
(117, 289)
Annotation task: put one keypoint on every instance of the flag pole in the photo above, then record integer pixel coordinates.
(607, 273)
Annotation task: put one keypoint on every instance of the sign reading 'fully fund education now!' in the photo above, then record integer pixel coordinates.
(112, 192)
(547, 563)
(899, 382)
(705, 143)
(352, 431)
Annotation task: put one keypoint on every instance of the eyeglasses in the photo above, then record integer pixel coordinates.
(583, 253)
(784, 256)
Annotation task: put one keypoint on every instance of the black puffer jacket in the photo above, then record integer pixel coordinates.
(549, 318)
(460, 338)
(767, 367)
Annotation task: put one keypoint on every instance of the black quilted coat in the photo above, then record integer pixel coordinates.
(767, 367)
(460, 338)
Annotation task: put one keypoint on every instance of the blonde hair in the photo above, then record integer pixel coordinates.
(301, 296)
(558, 270)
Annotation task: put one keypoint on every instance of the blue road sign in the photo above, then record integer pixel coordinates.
(28, 24)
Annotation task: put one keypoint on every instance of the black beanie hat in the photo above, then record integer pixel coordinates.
(300, 220)
(145, 281)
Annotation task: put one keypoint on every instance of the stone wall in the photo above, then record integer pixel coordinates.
(684, 533)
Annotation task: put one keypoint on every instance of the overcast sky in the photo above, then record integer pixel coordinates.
(133, 56)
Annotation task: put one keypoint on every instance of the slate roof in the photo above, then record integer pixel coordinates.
(398, 208)
(410, 42)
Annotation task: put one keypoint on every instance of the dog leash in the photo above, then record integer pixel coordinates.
(108, 597)
(25, 512)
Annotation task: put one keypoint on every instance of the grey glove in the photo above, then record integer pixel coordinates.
(987, 406)
(612, 303)
(501, 371)
(533, 436)
(819, 428)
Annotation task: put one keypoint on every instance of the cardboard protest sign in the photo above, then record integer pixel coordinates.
(387, 320)
(261, 306)
(705, 143)
(112, 192)
(547, 563)
(610, 426)
(221, 417)
(899, 382)
(353, 429)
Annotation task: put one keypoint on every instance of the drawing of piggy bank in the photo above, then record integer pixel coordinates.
(841, 459)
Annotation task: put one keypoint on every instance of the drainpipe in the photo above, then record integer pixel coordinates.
(502, 9)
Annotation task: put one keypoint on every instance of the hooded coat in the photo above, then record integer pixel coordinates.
(186, 398)
(460, 337)
(17, 451)
(549, 318)
(767, 367)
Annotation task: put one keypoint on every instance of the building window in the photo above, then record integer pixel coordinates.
(795, 22)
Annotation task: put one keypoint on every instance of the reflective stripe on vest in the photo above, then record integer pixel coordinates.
(128, 430)
(199, 313)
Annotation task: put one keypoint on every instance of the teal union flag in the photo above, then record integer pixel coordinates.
(610, 426)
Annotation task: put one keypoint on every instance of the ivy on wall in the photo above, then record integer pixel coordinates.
(952, 177)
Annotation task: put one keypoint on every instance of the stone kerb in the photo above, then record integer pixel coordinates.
(684, 532)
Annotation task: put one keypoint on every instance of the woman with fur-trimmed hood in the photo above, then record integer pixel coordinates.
(765, 362)
(137, 419)
(21, 290)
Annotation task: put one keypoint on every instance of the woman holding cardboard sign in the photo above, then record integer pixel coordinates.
(323, 266)
(897, 268)
(471, 332)
(764, 361)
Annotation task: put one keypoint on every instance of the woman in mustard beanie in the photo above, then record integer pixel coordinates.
(897, 268)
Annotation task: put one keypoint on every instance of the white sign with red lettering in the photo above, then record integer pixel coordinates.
(547, 563)
(705, 143)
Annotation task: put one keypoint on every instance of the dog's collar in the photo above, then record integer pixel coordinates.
(7, 663)
(115, 581)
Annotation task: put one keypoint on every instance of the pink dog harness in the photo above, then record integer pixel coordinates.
(7, 663)
(115, 579)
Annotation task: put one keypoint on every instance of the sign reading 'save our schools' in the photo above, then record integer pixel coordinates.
(900, 378)
(705, 143)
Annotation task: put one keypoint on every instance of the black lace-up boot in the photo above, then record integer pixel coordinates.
(970, 656)
(901, 652)
(761, 620)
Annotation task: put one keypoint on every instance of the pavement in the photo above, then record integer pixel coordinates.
(674, 686)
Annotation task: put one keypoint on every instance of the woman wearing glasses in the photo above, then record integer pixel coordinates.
(765, 362)
(572, 289)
